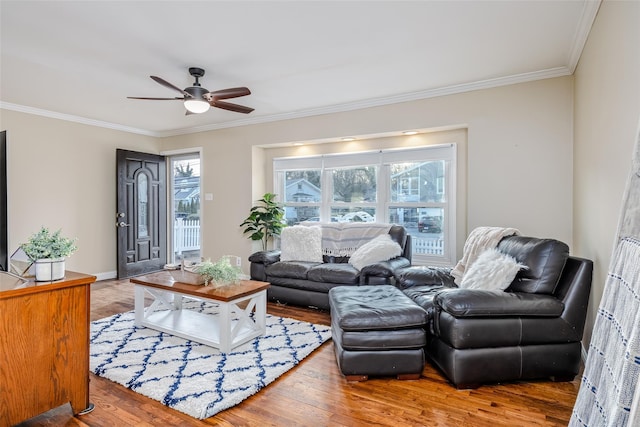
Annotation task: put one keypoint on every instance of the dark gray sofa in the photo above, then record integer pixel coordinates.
(308, 283)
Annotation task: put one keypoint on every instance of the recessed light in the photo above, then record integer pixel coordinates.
(410, 132)
(347, 139)
(298, 143)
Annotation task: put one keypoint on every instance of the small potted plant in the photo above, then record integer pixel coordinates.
(48, 251)
(220, 272)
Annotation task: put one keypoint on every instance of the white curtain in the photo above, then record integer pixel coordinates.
(609, 394)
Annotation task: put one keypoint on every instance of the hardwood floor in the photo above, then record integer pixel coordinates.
(315, 394)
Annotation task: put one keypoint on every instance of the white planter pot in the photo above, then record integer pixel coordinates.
(48, 270)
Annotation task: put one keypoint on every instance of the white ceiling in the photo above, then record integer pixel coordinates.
(79, 60)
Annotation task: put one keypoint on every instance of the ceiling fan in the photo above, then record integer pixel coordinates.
(198, 99)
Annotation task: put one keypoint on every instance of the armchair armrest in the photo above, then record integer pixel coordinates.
(462, 303)
(383, 269)
(265, 257)
(425, 276)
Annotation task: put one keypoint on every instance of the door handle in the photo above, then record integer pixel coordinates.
(121, 224)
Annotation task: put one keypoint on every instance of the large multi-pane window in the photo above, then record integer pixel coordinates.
(412, 187)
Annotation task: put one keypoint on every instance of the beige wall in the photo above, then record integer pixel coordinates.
(518, 170)
(607, 114)
(62, 175)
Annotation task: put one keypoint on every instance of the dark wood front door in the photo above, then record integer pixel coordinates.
(141, 215)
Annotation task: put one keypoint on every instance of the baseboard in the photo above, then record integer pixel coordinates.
(106, 276)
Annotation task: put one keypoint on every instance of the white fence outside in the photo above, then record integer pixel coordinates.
(186, 235)
(424, 246)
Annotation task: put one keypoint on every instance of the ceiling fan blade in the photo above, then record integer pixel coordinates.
(156, 99)
(231, 107)
(233, 92)
(165, 83)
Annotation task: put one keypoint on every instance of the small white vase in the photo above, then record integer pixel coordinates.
(48, 270)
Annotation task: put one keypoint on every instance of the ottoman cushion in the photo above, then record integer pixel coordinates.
(374, 308)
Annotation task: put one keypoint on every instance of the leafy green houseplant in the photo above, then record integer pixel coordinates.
(266, 219)
(48, 251)
(220, 272)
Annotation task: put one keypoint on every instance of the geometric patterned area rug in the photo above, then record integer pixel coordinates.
(191, 377)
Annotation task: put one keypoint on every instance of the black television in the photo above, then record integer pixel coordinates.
(4, 239)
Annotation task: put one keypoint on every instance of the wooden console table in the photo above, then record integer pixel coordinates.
(44, 346)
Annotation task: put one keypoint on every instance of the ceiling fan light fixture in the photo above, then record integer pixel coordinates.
(196, 106)
(198, 100)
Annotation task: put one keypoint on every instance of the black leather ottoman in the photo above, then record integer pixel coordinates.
(377, 331)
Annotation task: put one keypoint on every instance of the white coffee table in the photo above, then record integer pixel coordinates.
(232, 324)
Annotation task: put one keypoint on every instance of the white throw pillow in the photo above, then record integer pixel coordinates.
(381, 248)
(491, 271)
(300, 243)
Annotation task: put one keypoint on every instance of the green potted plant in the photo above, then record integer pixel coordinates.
(265, 220)
(48, 251)
(220, 272)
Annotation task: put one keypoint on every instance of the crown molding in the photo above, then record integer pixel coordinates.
(370, 103)
(589, 12)
(75, 119)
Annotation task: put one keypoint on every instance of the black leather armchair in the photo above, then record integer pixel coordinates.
(531, 330)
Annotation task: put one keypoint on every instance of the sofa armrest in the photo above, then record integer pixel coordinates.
(462, 303)
(385, 269)
(265, 257)
(424, 276)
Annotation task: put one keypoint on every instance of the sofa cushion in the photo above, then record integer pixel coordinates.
(544, 258)
(491, 271)
(300, 243)
(398, 234)
(382, 248)
(290, 269)
(334, 273)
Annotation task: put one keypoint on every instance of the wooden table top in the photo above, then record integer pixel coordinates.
(11, 285)
(164, 281)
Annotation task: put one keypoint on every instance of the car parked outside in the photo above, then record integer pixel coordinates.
(430, 224)
(359, 216)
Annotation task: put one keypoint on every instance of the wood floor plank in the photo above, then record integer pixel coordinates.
(315, 393)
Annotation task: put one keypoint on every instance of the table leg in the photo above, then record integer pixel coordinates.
(225, 327)
(139, 305)
(261, 311)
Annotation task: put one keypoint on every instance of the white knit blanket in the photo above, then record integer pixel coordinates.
(343, 238)
(613, 362)
(479, 240)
